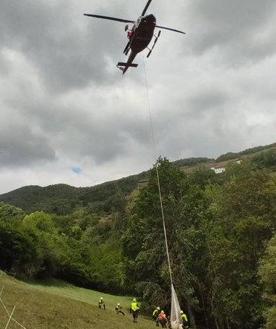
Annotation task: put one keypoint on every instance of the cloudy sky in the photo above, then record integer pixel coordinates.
(68, 116)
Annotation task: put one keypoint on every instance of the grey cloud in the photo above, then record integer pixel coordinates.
(208, 135)
(4, 66)
(19, 147)
(208, 101)
(101, 139)
(233, 25)
(70, 50)
(76, 133)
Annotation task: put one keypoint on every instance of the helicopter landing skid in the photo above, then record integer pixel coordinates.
(156, 39)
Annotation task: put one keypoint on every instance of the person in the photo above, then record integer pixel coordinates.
(155, 314)
(162, 319)
(118, 309)
(101, 303)
(134, 309)
(184, 319)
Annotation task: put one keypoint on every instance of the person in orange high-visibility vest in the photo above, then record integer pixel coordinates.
(162, 319)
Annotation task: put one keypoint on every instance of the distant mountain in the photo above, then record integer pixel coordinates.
(58, 198)
(250, 151)
(62, 199)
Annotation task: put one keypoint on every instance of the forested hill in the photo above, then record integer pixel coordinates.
(108, 197)
(63, 199)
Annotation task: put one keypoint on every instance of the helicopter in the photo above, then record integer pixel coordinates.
(139, 35)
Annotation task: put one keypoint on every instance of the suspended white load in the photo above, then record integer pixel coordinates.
(176, 322)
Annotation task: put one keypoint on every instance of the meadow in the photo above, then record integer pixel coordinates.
(60, 305)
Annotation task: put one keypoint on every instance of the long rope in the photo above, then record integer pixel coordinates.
(153, 140)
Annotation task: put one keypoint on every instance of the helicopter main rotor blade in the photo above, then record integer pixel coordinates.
(146, 8)
(110, 18)
(169, 29)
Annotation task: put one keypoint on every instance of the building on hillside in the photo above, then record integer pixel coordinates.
(218, 170)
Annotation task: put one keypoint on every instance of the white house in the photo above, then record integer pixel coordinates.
(218, 170)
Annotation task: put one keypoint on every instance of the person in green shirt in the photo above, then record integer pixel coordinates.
(155, 314)
(134, 309)
(101, 303)
(184, 319)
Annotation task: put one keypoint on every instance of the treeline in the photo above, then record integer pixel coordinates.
(220, 232)
(250, 151)
(81, 248)
(192, 161)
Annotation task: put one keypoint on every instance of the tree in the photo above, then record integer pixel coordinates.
(268, 275)
(50, 246)
(17, 251)
(9, 214)
(243, 215)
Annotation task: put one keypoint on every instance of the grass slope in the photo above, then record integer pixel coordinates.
(62, 306)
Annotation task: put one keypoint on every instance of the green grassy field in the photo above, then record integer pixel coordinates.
(59, 305)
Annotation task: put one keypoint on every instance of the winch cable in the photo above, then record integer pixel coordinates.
(154, 147)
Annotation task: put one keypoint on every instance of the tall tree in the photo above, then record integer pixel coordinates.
(268, 274)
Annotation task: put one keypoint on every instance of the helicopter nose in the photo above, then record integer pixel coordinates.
(151, 18)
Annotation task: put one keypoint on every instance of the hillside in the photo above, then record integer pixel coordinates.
(108, 197)
(60, 305)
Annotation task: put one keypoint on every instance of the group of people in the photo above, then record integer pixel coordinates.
(161, 319)
(118, 307)
(134, 308)
(159, 316)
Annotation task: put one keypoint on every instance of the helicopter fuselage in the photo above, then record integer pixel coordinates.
(142, 33)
